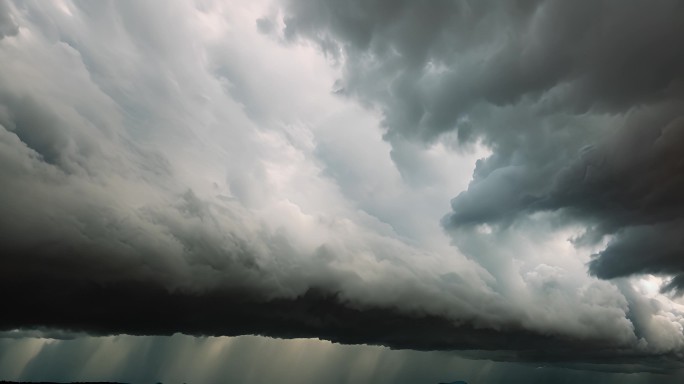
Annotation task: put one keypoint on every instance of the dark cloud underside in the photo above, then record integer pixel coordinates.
(139, 308)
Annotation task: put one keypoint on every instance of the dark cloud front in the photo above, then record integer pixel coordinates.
(578, 101)
(581, 103)
(141, 308)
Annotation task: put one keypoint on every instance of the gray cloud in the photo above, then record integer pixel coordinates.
(7, 25)
(581, 104)
(153, 184)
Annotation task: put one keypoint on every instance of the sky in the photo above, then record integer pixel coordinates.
(342, 191)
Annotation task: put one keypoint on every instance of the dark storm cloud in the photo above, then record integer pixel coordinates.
(139, 196)
(581, 103)
(143, 308)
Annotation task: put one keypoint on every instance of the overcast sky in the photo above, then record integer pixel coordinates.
(444, 190)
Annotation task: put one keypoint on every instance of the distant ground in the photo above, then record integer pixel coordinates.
(53, 382)
(112, 382)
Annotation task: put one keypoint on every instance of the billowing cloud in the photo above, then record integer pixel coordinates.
(193, 168)
(581, 104)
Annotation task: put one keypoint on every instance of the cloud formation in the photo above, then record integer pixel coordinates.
(188, 168)
(581, 104)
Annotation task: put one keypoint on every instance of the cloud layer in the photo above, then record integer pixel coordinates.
(580, 103)
(192, 168)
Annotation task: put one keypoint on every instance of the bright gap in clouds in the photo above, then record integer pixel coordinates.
(258, 168)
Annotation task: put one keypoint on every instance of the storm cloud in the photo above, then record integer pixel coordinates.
(195, 168)
(581, 104)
